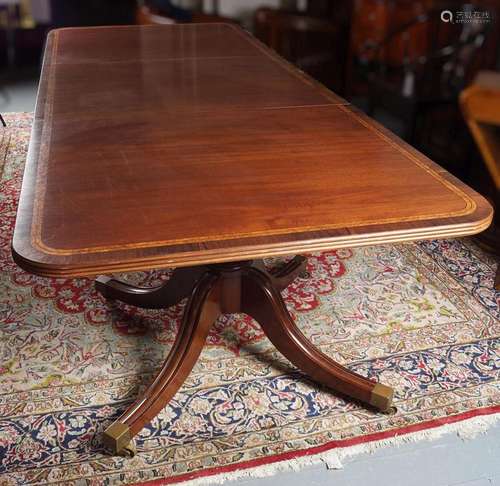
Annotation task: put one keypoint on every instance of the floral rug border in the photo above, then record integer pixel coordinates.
(223, 473)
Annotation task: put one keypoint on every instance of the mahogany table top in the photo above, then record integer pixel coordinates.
(164, 146)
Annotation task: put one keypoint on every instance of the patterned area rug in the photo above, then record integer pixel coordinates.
(4, 146)
(422, 318)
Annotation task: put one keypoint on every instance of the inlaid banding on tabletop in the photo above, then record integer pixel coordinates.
(259, 186)
(211, 154)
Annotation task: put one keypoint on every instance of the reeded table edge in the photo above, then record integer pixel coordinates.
(36, 262)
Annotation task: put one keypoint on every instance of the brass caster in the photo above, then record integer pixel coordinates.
(116, 438)
(381, 397)
(128, 451)
(304, 275)
(391, 411)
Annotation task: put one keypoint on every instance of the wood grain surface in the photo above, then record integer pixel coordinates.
(161, 146)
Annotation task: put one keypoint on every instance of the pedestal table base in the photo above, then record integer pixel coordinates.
(245, 287)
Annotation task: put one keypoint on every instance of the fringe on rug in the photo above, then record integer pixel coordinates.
(333, 459)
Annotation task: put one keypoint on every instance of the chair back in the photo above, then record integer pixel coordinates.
(437, 56)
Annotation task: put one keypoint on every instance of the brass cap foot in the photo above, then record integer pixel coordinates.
(116, 437)
(381, 397)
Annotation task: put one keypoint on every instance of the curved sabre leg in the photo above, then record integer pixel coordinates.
(170, 293)
(201, 312)
(283, 276)
(265, 304)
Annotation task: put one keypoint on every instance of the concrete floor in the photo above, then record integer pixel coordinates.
(448, 461)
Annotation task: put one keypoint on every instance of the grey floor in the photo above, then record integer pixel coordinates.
(18, 91)
(448, 461)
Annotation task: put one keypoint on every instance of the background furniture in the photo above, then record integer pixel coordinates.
(145, 16)
(437, 60)
(9, 10)
(66, 13)
(480, 103)
(317, 45)
(161, 12)
(397, 59)
(411, 65)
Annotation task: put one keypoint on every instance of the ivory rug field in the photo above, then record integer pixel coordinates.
(423, 318)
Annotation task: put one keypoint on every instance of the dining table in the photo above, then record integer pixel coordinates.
(194, 147)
